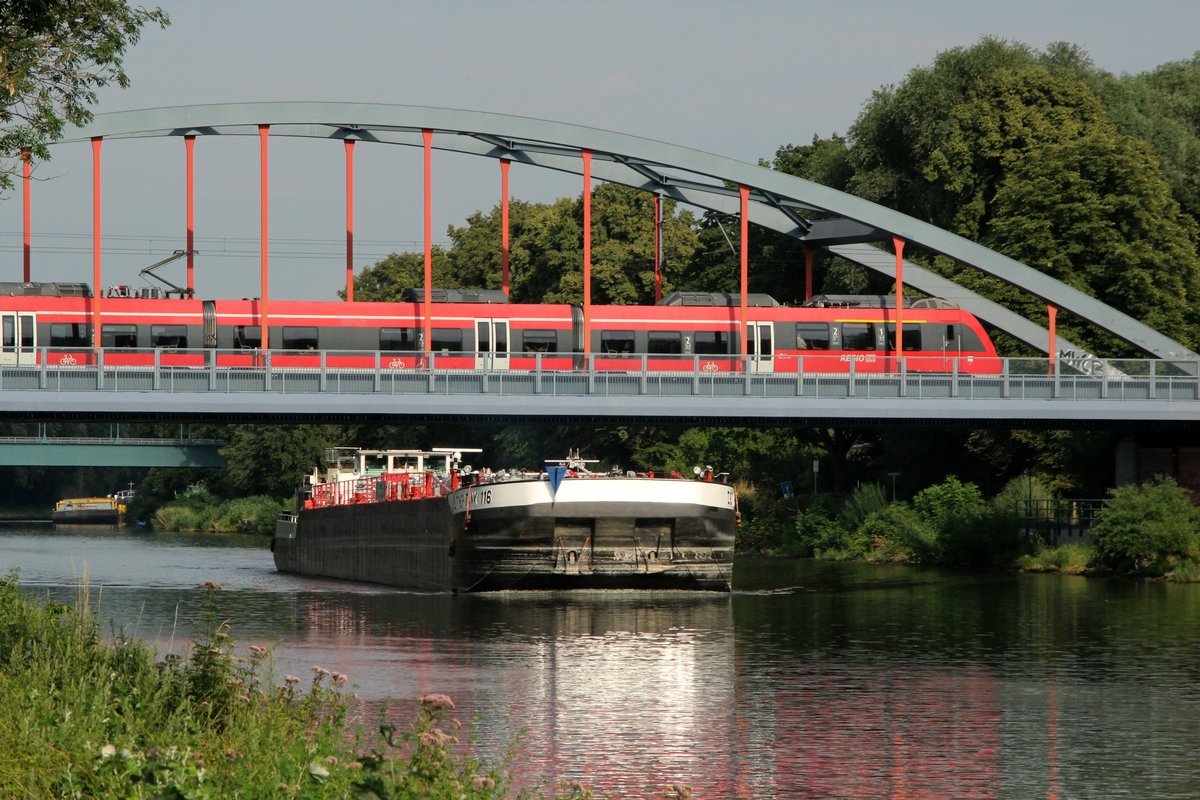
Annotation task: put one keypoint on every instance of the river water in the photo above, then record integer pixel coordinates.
(811, 680)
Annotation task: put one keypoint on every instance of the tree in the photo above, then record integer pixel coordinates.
(1162, 108)
(1147, 526)
(272, 459)
(1014, 149)
(546, 248)
(54, 56)
(386, 280)
(1042, 176)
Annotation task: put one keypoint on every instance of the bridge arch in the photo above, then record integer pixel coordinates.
(778, 201)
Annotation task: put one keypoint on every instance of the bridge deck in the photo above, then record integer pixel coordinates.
(1117, 393)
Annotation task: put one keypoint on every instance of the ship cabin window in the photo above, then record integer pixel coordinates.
(118, 336)
(70, 334)
(858, 336)
(398, 340)
(616, 342)
(447, 340)
(812, 336)
(247, 337)
(664, 343)
(912, 337)
(173, 336)
(712, 343)
(299, 337)
(539, 342)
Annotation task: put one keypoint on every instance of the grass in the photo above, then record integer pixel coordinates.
(85, 718)
(202, 512)
(1068, 559)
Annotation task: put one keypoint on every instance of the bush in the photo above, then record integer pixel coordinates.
(866, 499)
(897, 533)
(1069, 559)
(247, 515)
(202, 512)
(765, 520)
(1147, 527)
(968, 532)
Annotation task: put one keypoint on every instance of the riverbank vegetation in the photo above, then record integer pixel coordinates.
(1150, 530)
(82, 717)
(197, 509)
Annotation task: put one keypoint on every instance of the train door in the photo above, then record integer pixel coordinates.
(491, 344)
(762, 346)
(951, 346)
(18, 338)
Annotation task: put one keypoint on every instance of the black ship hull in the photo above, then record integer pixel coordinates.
(521, 535)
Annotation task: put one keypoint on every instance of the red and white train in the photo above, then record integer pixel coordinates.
(480, 328)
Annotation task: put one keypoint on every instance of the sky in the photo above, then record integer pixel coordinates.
(738, 79)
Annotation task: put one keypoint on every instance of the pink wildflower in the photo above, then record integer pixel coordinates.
(437, 701)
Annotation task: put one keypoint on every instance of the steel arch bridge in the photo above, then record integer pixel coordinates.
(848, 226)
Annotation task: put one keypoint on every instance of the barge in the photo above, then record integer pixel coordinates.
(89, 511)
(424, 521)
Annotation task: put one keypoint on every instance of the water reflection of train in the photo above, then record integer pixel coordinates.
(480, 328)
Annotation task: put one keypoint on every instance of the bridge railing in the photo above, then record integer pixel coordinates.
(1059, 521)
(361, 372)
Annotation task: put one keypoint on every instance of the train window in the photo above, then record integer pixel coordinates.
(712, 343)
(616, 342)
(247, 337)
(858, 336)
(168, 335)
(812, 336)
(912, 337)
(26, 333)
(120, 335)
(299, 337)
(10, 334)
(539, 342)
(398, 340)
(970, 342)
(447, 340)
(664, 343)
(70, 334)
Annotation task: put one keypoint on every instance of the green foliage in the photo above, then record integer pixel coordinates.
(83, 718)
(386, 280)
(1147, 527)
(949, 503)
(546, 248)
(866, 499)
(1066, 559)
(1013, 148)
(273, 459)
(54, 56)
(200, 511)
(968, 533)
(765, 519)
(812, 529)
(1162, 107)
(898, 533)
